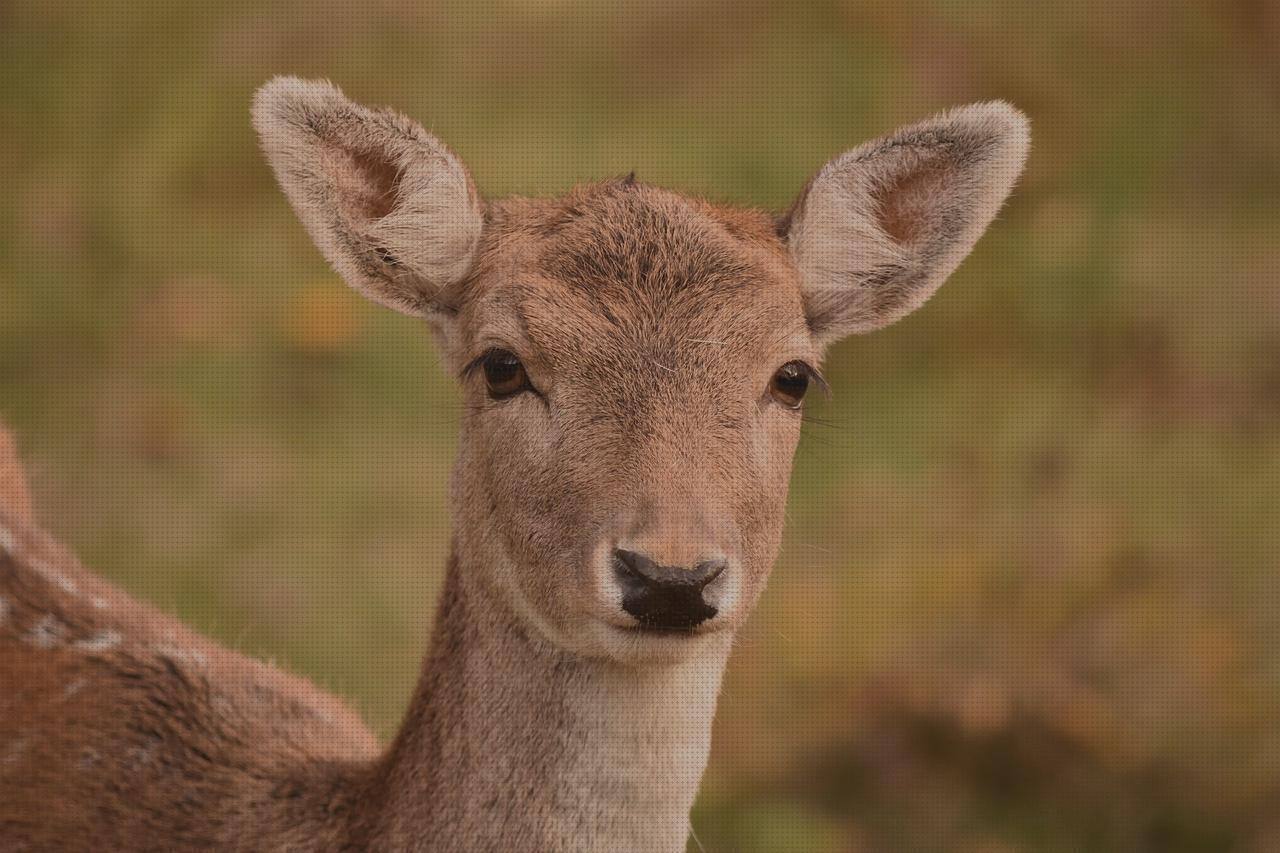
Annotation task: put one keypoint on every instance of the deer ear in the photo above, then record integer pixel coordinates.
(392, 209)
(880, 227)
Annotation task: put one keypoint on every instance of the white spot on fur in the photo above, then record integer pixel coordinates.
(89, 758)
(75, 687)
(139, 756)
(55, 577)
(222, 705)
(100, 603)
(100, 642)
(179, 654)
(48, 633)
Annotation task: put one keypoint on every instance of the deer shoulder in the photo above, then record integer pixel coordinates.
(120, 728)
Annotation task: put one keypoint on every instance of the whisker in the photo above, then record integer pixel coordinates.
(810, 437)
(696, 840)
(823, 422)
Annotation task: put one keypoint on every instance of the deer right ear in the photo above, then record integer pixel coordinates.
(880, 227)
(390, 207)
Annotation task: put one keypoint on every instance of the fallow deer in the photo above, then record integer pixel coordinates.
(633, 363)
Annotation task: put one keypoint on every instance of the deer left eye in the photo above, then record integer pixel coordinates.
(504, 374)
(790, 384)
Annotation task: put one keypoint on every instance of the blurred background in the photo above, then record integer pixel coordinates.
(1029, 597)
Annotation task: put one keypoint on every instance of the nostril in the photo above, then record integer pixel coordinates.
(709, 570)
(631, 563)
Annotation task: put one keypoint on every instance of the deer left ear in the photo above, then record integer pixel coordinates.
(880, 227)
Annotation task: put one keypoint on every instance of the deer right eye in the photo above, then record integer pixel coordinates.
(790, 383)
(504, 374)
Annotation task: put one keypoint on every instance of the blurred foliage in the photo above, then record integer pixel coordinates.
(1028, 598)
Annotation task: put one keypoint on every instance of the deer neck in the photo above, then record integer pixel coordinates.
(512, 744)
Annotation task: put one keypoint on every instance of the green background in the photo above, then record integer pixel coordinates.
(1028, 600)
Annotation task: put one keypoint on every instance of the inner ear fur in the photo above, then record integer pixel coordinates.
(880, 227)
(389, 205)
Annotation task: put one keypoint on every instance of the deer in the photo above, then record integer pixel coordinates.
(633, 364)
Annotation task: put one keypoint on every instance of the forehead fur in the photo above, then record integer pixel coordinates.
(604, 233)
(636, 262)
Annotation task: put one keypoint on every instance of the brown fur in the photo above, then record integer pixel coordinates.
(13, 482)
(650, 325)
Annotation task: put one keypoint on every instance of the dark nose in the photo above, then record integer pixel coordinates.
(664, 597)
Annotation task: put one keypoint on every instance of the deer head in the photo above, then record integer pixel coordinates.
(633, 361)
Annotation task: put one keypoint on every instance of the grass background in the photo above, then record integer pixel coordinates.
(1029, 596)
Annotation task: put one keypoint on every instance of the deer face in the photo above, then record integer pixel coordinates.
(634, 365)
(633, 362)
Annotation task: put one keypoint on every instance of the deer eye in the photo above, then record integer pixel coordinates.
(790, 383)
(503, 374)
